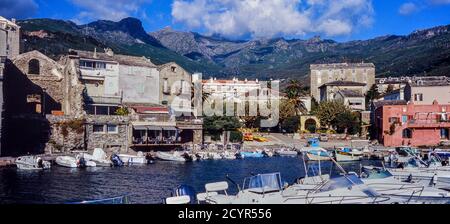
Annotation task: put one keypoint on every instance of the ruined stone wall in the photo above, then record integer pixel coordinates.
(73, 89)
(67, 133)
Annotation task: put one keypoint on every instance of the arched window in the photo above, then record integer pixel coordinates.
(33, 67)
(407, 133)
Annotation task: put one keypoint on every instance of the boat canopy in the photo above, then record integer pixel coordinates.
(341, 182)
(264, 183)
(376, 173)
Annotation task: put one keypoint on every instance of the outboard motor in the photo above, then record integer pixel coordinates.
(238, 155)
(116, 160)
(81, 162)
(150, 159)
(187, 157)
(265, 153)
(187, 190)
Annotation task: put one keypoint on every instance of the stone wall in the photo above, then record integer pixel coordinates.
(67, 134)
(173, 73)
(73, 103)
(108, 141)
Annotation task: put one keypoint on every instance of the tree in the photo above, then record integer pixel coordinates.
(389, 89)
(348, 122)
(290, 124)
(294, 91)
(328, 111)
(215, 125)
(371, 95)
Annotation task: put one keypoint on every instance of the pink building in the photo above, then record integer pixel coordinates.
(411, 124)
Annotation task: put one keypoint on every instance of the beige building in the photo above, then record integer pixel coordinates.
(425, 93)
(354, 99)
(173, 81)
(326, 73)
(329, 91)
(9, 34)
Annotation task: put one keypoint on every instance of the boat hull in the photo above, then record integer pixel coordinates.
(131, 159)
(313, 157)
(347, 157)
(169, 157)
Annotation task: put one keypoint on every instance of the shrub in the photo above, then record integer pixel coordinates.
(236, 136)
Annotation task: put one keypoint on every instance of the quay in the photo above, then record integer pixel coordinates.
(7, 161)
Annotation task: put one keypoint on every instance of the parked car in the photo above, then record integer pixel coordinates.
(323, 137)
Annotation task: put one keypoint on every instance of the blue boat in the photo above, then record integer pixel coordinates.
(251, 155)
(313, 142)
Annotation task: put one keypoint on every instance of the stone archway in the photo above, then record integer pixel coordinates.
(310, 125)
(306, 121)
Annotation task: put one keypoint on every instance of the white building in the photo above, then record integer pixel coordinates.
(9, 38)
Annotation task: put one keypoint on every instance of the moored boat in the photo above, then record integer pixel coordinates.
(70, 162)
(344, 154)
(251, 155)
(133, 159)
(315, 154)
(175, 156)
(32, 163)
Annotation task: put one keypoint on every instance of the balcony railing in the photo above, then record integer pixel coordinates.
(429, 123)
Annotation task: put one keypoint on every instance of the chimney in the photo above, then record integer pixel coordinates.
(95, 53)
(109, 52)
(13, 20)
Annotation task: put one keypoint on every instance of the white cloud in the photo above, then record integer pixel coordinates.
(107, 9)
(269, 18)
(19, 9)
(408, 8)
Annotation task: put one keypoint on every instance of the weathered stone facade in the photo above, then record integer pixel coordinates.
(171, 78)
(325, 73)
(67, 134)
(108, 140)
(9, 38)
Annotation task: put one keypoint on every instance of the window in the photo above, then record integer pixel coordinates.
(92, 64)
(99, 128)
(407, 133)
(418, 97)
(112, 129)
(393, 119)
(404, 118)
(166, 86)
(34, 67)
(445, 133)
(100, 65)
(101, 110)
(173, 68)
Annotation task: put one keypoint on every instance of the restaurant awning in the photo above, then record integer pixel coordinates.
(170, 128)
(146, 127)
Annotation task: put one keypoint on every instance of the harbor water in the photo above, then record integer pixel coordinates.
(146, 183)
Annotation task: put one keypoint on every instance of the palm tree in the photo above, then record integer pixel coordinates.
(293, 93)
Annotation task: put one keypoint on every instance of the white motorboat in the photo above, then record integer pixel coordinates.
(285, 152)
(68, 161)
(386, 184)
(344, 154)
(268, 189)
(175, 156)
(228, 155)
(98, 156)
(32, 163)
(133, 159)
(214, 156)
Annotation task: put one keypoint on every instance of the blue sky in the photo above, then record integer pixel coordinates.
(340, 20)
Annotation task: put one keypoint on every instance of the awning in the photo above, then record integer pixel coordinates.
(146, 127)
(170, 128)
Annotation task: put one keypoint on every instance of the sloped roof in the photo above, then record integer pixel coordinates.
(343, 83)
(119, 58)
(381, 103)
(350, 93)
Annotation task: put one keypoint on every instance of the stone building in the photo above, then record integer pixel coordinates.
(173, 81)
(354, 72)
(396, 83)
(329, 91)
(9, 38)
(33, 89)
(353, 99)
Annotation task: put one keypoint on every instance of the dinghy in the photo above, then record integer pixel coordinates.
(175, 156)
(98, 156)
(70, 162)
(315, 154)
(133, 159)
(32, 163)
(251, 155)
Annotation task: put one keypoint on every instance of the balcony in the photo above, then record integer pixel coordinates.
(114, 100)
(429, 123)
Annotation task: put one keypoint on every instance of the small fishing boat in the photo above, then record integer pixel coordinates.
(345, 154)
(228, 155)
(315, 154)
(32, 163)
(175, 156)
(251, 155)
(133, 159)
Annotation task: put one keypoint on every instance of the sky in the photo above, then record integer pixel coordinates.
(341, 20)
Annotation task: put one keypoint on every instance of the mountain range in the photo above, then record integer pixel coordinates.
(421, 52)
